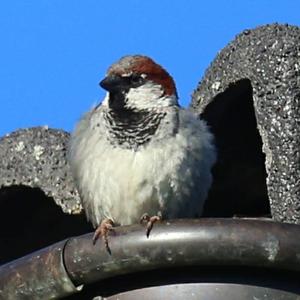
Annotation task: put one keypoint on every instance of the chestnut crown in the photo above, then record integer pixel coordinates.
(134, 70)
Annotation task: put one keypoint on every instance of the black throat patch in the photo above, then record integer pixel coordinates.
(131, 129)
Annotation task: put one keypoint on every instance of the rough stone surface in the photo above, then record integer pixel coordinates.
(268, 57)
(36, 157)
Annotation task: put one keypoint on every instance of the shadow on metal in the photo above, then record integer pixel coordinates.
(231, 246)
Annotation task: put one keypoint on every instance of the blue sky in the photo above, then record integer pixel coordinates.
(54, 52)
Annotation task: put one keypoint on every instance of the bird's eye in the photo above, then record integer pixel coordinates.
(137, 80)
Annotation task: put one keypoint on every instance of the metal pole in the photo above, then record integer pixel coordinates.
(40, 275)
(62, 269)
(179, 243)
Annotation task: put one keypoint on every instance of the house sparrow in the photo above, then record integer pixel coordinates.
(138, 154)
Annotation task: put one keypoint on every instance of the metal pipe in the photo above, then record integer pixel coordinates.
(179, 243)
(40, 275)
(63, 268)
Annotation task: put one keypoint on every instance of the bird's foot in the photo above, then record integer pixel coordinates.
(103, 230)
(145, 218)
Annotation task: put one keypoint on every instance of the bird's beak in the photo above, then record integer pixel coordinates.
(111, 83)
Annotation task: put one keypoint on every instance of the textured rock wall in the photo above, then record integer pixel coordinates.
(268, 58)
(36, 158)
(39, 204)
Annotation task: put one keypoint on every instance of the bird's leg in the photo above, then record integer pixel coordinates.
(103, 230)
(145, 218)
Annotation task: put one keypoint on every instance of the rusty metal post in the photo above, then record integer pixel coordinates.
(40, 275)
(182, 243)
(61, 269)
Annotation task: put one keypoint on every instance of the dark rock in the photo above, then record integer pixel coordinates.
(29, 220)
(254, 82)
(39, 204)
(36, 157)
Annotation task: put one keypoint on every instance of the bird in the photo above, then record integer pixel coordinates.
(138, 156)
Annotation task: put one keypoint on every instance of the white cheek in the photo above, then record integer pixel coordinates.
(149, 95)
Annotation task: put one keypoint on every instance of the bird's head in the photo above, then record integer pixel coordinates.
(137, 83)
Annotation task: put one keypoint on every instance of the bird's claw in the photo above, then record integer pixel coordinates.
(103, 230)
(145, 218)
